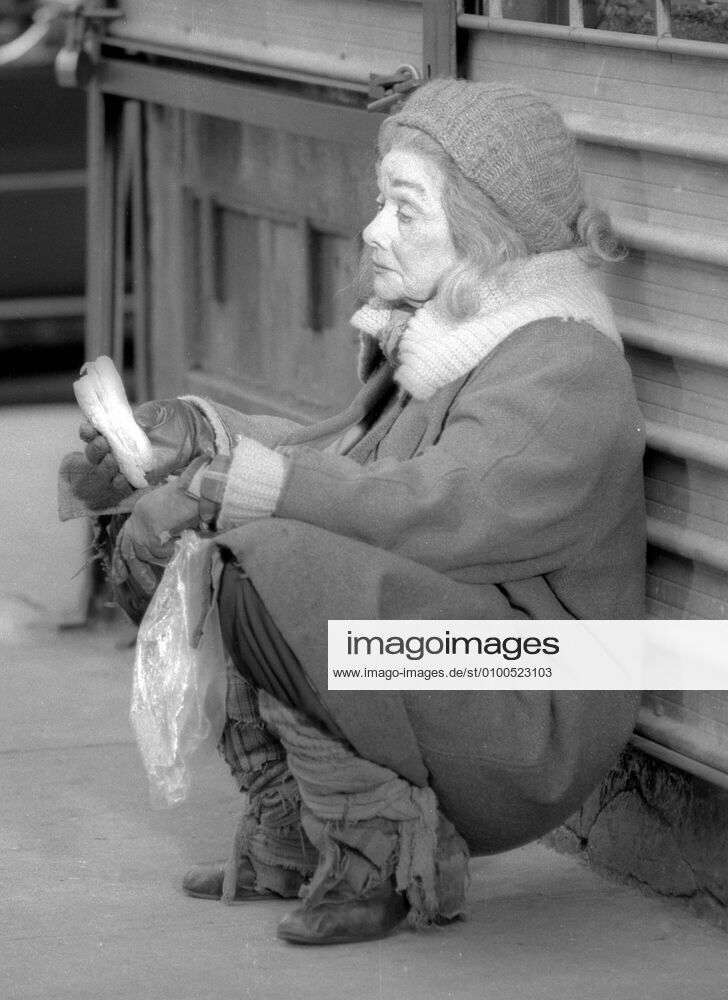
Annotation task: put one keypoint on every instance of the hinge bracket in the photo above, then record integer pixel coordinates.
(85, 24)
(386, 92)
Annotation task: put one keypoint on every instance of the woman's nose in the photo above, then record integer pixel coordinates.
(376, 233)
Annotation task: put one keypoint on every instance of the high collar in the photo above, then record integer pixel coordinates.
(428, 350)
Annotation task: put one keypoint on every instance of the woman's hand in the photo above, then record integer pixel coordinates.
(147, 537)
(178, 431)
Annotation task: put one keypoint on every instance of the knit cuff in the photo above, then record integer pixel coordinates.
(254, 483)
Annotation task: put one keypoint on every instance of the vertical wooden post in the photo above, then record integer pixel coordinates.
(99, 244)
(576, 13)
(99, 226)
(663, 18)
(118, 266)
(139, 255)
(175, 227)
(439, 32)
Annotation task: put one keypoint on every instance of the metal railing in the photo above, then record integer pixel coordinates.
(661, 39)
(45, 21)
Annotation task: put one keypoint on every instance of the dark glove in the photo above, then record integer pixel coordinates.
(131, 595)
(148, 536)
(85, 490)
(178, 430)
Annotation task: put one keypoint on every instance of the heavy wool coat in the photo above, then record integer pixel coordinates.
(512, 491)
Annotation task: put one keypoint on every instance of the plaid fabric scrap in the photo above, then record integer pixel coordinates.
(212, 488)
(247, 745)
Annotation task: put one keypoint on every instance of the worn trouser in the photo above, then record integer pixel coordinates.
(367, 824)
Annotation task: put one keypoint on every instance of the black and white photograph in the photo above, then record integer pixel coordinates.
(364, 422)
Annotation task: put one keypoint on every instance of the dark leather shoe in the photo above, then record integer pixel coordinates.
(205, 882)
(338, 920)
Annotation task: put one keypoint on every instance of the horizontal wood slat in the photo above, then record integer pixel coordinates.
(686, 344)
(712, 552)
(309, 40)
(686, 445)
(704, 249)
(638, 88)
(616, 132)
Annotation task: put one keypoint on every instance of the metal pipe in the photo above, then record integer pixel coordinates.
(689, 544)
(702, 248)
(18, 48)
(52, 180)
(647, 138)
(595, 36)
(713, 353)
(680, 760)
(687, 445)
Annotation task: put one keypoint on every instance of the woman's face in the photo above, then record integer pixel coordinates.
(409, 237)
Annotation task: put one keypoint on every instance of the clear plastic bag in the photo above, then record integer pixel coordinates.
(178, 693)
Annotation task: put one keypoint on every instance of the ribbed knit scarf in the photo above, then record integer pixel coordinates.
(429, 350)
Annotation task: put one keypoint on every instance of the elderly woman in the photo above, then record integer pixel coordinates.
(490, 468)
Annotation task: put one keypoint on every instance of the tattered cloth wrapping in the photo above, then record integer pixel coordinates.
(269, 834)
(368, 823)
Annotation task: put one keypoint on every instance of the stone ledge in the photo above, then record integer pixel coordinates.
(658, 828)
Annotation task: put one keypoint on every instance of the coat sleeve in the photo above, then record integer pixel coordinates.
(229, 424)
(530, 459)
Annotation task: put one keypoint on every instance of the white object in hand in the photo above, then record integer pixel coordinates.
(100, 394)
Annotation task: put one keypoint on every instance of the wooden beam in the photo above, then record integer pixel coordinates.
(238, 101)
(439, 38)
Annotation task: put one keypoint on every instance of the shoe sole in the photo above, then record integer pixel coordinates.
(239, 900)
(341, 939)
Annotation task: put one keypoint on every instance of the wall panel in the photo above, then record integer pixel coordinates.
(263, 228)
(653, 129)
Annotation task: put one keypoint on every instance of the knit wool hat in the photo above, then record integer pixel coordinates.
(513, 145)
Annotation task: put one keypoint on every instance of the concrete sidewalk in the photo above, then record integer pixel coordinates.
(92, 908)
